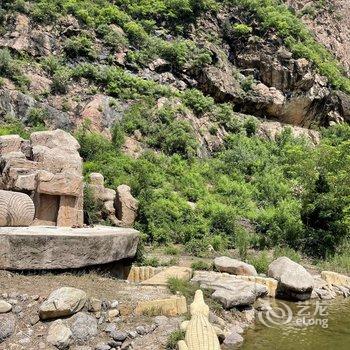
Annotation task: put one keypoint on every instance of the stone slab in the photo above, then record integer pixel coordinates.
(46, 248)
(168, 307)
(336, 278)
(161, 278)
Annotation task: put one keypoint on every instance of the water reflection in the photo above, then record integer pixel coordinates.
(305, 335)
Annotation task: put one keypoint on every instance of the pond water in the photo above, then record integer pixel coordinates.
(312, 325)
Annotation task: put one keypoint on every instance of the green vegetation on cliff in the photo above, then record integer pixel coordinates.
(251, 192)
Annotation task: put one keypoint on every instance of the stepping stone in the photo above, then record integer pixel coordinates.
(161, 279)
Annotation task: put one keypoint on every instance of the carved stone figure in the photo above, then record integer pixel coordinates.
(200, 334)
(48, 167)
(16, 209)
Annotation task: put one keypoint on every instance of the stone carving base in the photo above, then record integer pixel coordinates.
(46, 248)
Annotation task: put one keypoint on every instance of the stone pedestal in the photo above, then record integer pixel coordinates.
(47, 248)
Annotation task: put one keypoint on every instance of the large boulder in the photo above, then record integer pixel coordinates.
(46, 248)
(229, 290)
(294, 282)
(62, 302)
(234, 267)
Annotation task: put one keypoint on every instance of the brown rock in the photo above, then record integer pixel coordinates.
(161, 278)
(167, 307)
(126, 206)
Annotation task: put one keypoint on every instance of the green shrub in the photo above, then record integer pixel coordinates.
(93, 145)
(242, 29)
(288, 252)
(152, 261)
(243, 241)
(36, 117)
(60, 80)
(79, 45)
(201, 266)
(197, 101)
(171, 250)
(219, 242)
(183, 287)
(92, 207)
(174, 338)
(197, 247)
(260, 261)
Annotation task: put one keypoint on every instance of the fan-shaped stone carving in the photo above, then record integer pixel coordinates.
(16, 209)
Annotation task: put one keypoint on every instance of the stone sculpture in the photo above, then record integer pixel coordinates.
(200, 334)
(48, 167)
(16, 209)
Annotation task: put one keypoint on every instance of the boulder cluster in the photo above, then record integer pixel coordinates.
(69, 318)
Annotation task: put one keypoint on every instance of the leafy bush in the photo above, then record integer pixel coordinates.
(79, 45)
(197, 247)
(201, 266)
(260, 261)
(242, 29)
(171, 250)
(197, 101)
(174, 338)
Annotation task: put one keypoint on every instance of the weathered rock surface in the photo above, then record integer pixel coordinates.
(126, 206)
(16, 209)
(336, 278)
(293, 280)
(119, 206)
(83, 327)
(59, 335)
(234, 266)
(62, 302)
(229, 290)
(161, 278)
(7, 326)
(270, 283)
(142, 273)
(232, 340)
(44, 248)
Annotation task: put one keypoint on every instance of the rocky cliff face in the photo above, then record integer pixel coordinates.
(330, 21)
(254, 71)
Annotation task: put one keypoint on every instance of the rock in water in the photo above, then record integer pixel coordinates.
(294, 282)
(234, 267)
(7, 326)
(62, 302)
(83, 327)
(59, 335)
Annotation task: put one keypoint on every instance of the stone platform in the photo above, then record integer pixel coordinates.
(46, 248)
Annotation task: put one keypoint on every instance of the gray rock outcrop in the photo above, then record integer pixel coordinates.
(228, 290)
(234, 266)
(294, 282)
